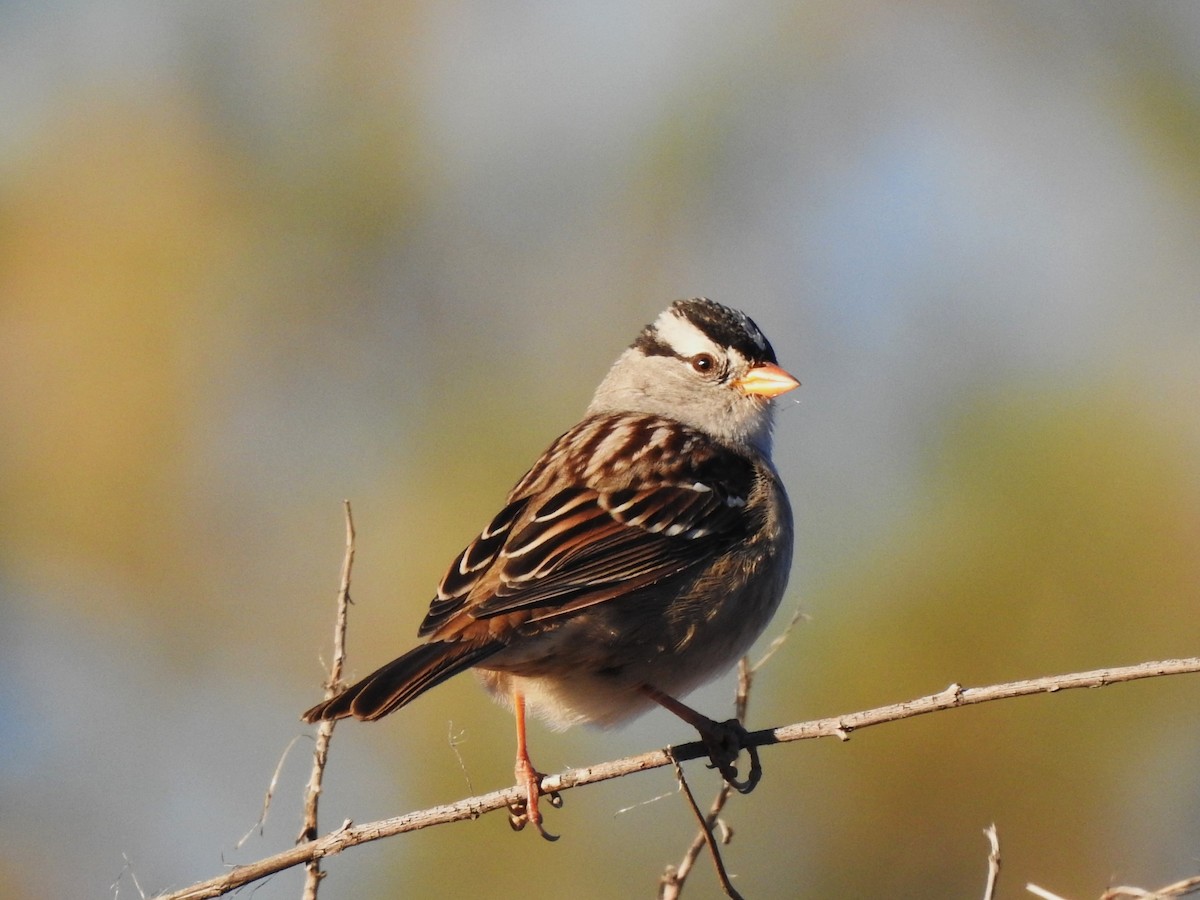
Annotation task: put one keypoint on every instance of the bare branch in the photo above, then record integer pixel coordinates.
(707, 836)
(836, 726)
(956, 695)
(1178, 889)
(672, 881)
(312, 794)
(989, 891)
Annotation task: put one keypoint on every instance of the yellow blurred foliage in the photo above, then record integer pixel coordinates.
(107, 242)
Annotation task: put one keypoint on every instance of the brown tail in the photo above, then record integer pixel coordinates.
(391, 686)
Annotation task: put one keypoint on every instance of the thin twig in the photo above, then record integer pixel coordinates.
(706, 831)
(312, 794)
(775, 644)
(989, 891)
(128, 867)
(261, 823)
(1042, 892)
(745, 678)
(453, 740)
(835, 726)
(1178, 889)
(672, 881)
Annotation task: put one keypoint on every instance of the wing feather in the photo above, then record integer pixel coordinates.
(577, 532)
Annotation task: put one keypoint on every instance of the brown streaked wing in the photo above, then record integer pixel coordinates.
(470, 566)
(596, 553)
(610, 529)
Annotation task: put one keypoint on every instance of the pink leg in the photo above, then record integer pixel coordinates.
(527, 776)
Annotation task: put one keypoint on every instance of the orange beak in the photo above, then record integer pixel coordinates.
(767, 380)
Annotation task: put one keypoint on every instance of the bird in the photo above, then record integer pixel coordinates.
(638, 558)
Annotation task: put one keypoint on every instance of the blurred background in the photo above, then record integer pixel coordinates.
(259, 258)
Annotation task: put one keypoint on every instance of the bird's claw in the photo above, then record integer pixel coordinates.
(724, 742)
(518, 815)
(524, 810)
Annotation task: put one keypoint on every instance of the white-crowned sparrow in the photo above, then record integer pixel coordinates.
(638, 558)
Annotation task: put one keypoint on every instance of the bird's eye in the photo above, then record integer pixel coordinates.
(704, 363)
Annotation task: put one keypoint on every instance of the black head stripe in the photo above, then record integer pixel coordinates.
(651, 344)
(727, 328)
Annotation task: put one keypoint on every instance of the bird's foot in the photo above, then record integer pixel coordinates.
(524, 811)
(724, 742)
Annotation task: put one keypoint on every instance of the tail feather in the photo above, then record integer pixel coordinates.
(390, 687)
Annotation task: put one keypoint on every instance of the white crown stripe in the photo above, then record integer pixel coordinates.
(682, 336)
